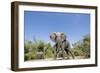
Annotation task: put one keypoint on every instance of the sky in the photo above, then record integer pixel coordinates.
(39, 25)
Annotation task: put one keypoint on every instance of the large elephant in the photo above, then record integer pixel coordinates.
(61, 45)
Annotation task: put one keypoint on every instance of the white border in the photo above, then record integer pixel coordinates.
(33, 64)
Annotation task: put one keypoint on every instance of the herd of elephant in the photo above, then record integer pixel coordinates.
(61, 46)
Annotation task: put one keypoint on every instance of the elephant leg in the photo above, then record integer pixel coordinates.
(67, 53)
(71, 54)
(63, 53)
(55, 53)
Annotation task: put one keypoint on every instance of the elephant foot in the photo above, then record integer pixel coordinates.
(54, 58)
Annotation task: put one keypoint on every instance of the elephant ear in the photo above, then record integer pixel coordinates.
(63, 36)
(53, 37)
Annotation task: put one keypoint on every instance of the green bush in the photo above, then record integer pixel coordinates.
(31, 49)
(82, 47)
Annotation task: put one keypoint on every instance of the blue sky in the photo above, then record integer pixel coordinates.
(39, 25)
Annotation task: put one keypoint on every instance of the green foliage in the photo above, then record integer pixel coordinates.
(49, 51)
(30, 55)
(32, 48)
(82, 47)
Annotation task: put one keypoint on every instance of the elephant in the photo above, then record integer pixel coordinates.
(61, 45)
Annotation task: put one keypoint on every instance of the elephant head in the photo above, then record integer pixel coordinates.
(57, 37)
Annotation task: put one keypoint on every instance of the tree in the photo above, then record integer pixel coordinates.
(82, 47)
(86, 45)
(37, 49)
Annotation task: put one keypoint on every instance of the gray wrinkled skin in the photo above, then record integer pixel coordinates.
(62, 45)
